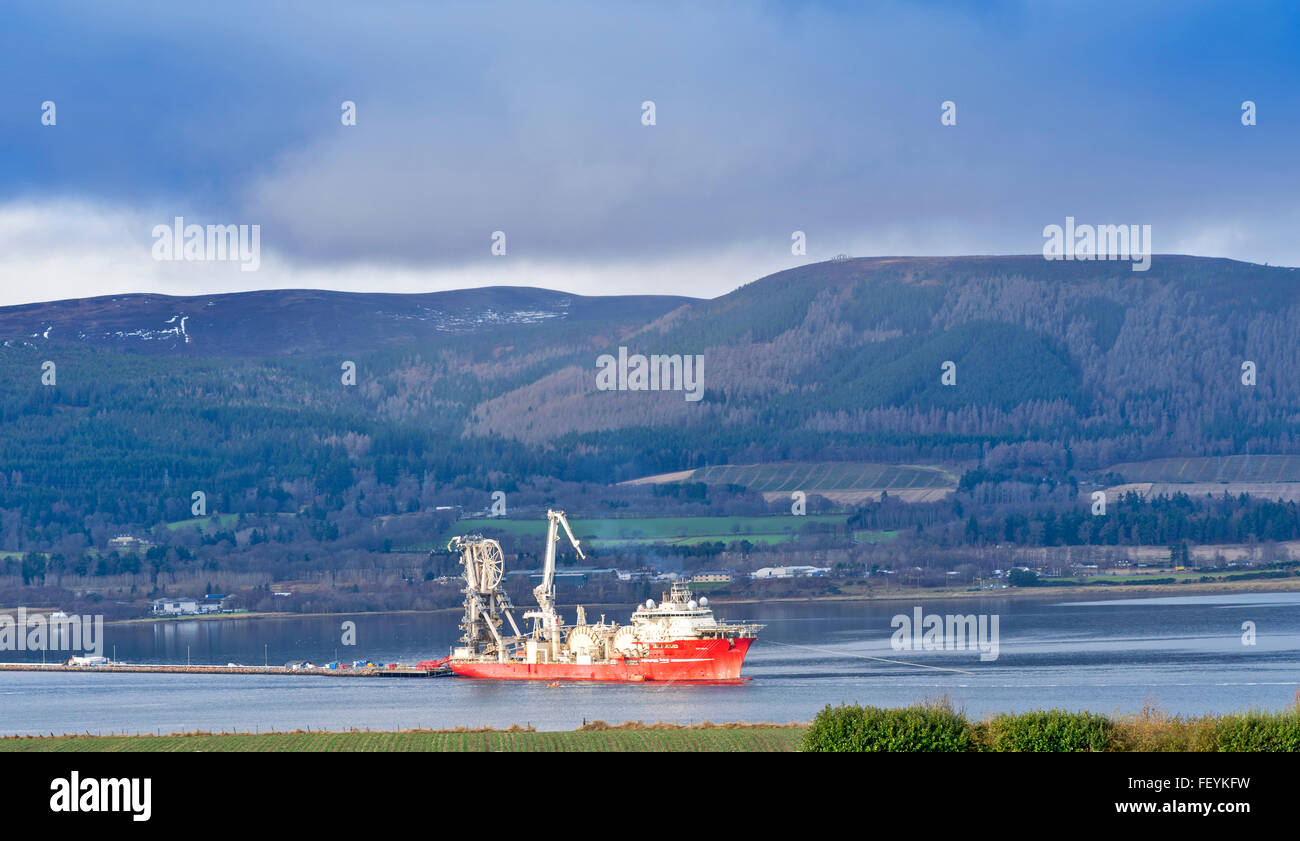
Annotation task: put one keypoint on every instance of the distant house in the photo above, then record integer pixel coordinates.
(796, 571)
(711, 578)
(127, 542)
(176, 607)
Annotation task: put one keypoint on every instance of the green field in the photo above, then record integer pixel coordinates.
(645, 530)
(205, 523)
(873, 536)
(1256, 468)
(622, 740)
(1183, 575)
(826, 476)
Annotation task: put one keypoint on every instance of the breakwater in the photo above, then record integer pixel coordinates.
(118, 668)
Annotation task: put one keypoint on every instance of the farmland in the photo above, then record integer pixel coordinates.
(1268, 477)
(204, 524)
(1272, 491)
(1251, 468)
(593, 738)
(840, 481)
(674, 530)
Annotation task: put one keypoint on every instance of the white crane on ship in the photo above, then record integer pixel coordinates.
(485, 599)
(546, 623)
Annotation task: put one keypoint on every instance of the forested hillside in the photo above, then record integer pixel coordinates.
(1062, 370)
(1084, 362)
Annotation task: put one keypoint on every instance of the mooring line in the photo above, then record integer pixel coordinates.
(867, 657)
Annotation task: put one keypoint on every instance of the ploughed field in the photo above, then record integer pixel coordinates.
(1216, 469)
(1269, 477)
(593, 738)
(842, 481)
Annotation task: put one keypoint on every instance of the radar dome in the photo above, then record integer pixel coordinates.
(691, 605)
(650, 603)
(704, 601)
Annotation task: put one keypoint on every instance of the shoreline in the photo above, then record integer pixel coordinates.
(1272, 585)
(218, 617)
(1198, 589)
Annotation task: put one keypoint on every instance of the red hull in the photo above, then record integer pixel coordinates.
(709, 659)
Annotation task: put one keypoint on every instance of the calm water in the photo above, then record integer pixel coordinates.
(1183, 654)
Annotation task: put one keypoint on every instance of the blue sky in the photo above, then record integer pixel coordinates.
(526, 118)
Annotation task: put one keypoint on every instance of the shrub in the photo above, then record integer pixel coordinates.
(933, 727)
(1155, 730)
(1257, 731)
(1055, 731)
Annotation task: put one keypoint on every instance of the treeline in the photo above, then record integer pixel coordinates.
(1136, 521)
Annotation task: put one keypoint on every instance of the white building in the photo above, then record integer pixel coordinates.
(127, 541)
(175, 607)
(788, 572)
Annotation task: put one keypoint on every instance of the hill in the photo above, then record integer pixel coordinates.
(1062, 371)
(843, 361)
(293, 322)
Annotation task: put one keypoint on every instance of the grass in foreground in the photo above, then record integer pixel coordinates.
(933, 726)
(595, 737)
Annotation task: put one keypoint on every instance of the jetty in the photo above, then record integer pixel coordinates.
(230, 669)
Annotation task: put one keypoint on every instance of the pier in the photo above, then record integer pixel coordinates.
(114, 668)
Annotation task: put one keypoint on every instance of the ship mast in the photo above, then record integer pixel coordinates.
(545, 621)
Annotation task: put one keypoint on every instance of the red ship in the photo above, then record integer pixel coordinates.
(676, 640)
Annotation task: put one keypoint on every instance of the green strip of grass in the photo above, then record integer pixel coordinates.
(205, 523)
(649, 528)
(749, 739)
